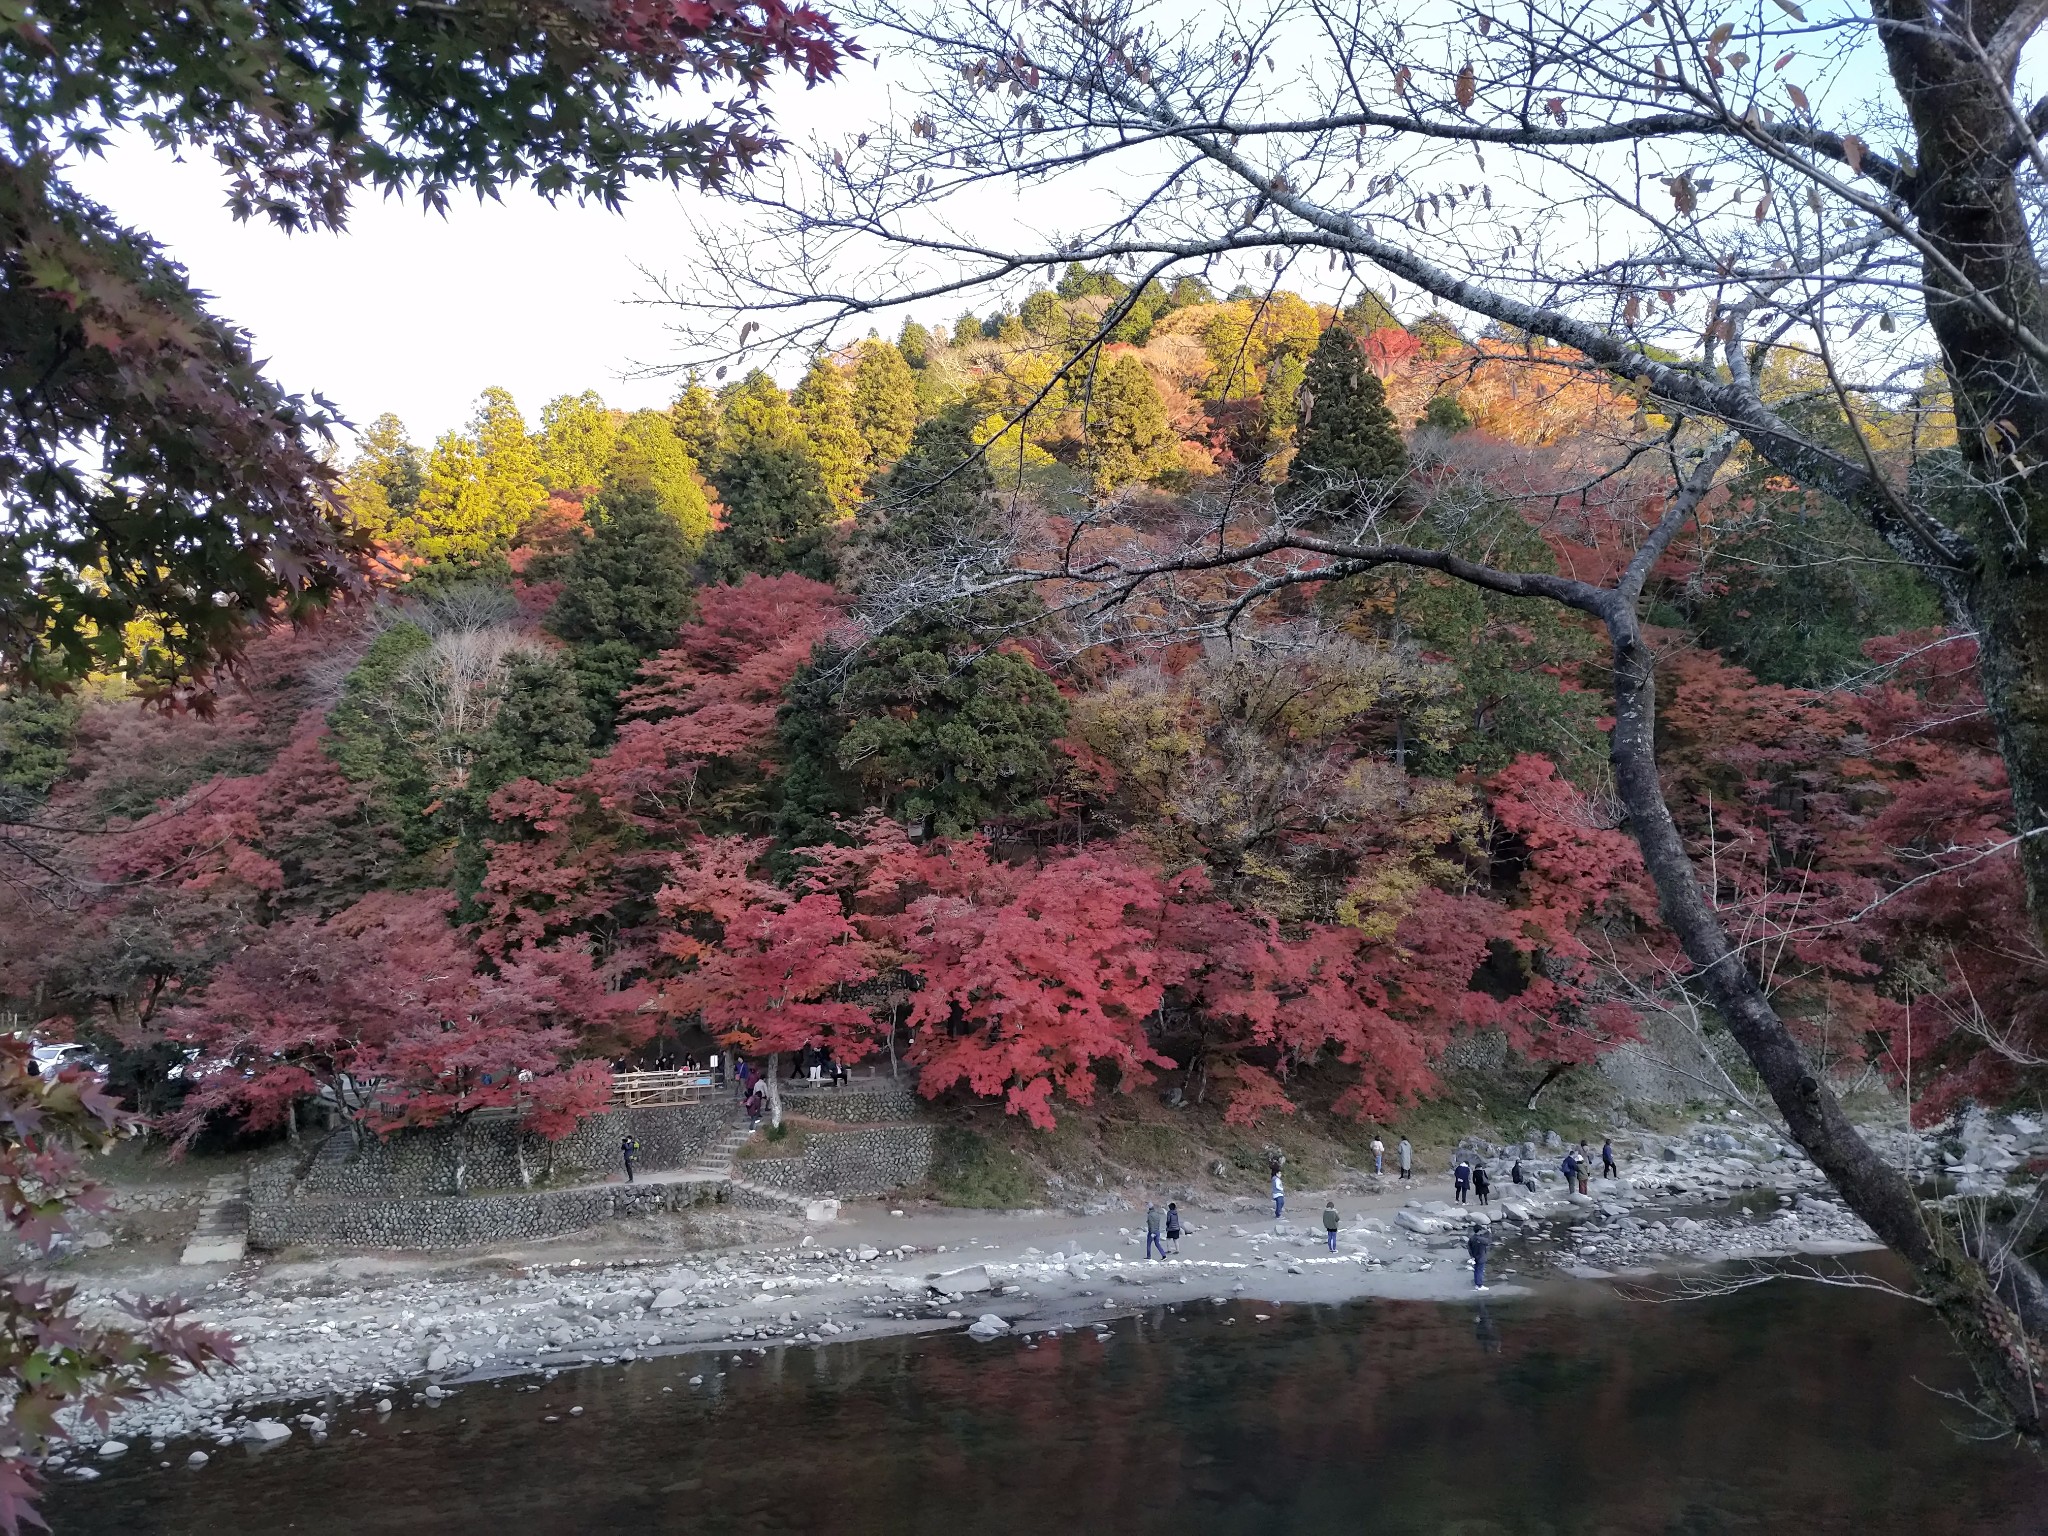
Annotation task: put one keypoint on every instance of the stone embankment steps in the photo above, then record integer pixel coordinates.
(719, 1165)
(221, 1235)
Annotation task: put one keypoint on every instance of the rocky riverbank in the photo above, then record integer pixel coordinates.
(382, 1334)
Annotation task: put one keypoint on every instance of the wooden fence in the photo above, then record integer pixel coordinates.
(651, 1090)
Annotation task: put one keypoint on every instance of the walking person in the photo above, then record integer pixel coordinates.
(1405, 1154)
(1172, 1227)
(1153, 1224)
(627, 1148)
(1461, 1177)
(1585, 1168)
(1477, 1245)
(1480, 1183)
(1279, 1195)
(1330, 1222)
(1607, 1158)
(1379, 1152)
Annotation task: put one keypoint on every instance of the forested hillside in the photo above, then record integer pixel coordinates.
(652, 739)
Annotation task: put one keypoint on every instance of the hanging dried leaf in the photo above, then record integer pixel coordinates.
(1885, 323)
(1763, 208)
(1485, 25)
(1783, 60)
(1719, 39)
(1555, 107)
(1468, 87)
(1737, 59)
(1669, 296)
(1852, 152)
(1632, 310)
(1401, 77)
(1813, 199)
(1683, 193)
(1791, 10)
(1798, 97)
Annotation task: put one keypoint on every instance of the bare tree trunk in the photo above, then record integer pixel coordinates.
(769, 1078)
(462, 1155)
(1966, 201)
(1551, 1074)
(1993, 1338)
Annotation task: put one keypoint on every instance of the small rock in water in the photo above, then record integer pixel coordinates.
(575, 1413)
(437, 1358)
(197, 1459)
(383, 1405)
(267, 1432)
(109, 1449)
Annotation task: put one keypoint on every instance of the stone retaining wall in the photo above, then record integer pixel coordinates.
(848, 1164)
(422, 1162)
(854, 1105)
(460, 1221)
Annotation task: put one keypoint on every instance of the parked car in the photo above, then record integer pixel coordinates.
(52, 1059)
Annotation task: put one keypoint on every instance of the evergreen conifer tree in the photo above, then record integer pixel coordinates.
(1346, 447)
(649, 455)
(929, 720)
(824, 406)
(481, 487)
(777, 514)
(382, 486)
(540, 731)
(884, 402)
(1129, 437)
(577, 433)
(626, 590)
(695, 416)
(915, 343)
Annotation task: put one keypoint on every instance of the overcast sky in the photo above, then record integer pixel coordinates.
(411, 312)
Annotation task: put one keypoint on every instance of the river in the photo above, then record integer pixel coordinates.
(1784, 1408)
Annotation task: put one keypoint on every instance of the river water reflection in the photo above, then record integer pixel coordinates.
(1787, 1408)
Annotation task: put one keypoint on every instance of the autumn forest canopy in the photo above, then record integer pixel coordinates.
(644, 739)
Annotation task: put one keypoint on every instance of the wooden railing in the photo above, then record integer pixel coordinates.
(650, 1090)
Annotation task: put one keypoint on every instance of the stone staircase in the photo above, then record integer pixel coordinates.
(221, 1235)
(719, 1164)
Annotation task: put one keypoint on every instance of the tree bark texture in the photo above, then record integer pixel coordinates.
(1966, 204)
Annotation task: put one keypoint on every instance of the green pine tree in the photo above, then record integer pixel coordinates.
(577, 433)
(1129, 437)
(374, 736)
(35, 746)
(824, 407)
(382, 485)
(540, 731)
(626, 590)
(884, 402)
(1346, 448)
(915, 343)
(480, 489)
(695, 416)
(650, 455)
(777, 514)
(929, 720)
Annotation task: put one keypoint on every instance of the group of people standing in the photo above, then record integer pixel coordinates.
(1404, 1156)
